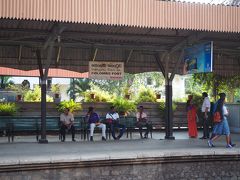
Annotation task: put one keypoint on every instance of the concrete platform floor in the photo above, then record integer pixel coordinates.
(25, 149)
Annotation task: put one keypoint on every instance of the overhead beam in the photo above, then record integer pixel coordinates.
(19, 54)
(84, 45)
(49, 59)
(180, 58)
(58, 55)
(85, 34)
(56, 31)
(95, 54)
(160, 63)
(129, 56)
(189, 40)
(39, 61)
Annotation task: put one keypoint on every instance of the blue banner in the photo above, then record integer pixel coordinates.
(198, 58)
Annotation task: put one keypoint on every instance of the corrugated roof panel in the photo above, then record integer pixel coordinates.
(140, 13)
(35, 73)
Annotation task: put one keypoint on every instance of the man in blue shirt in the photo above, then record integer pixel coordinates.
(93, 121)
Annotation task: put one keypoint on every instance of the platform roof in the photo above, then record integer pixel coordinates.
(133, 32)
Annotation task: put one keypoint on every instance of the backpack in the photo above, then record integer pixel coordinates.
(216, 115)
(214, 108)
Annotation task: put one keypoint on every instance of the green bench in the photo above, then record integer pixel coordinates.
(53, 124)
(32, 125)
(5, 126)
(19, 124)
(129, 122)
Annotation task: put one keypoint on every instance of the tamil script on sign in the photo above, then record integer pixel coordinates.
(106, 70)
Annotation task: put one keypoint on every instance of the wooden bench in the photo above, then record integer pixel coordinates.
(5, 126)
(32, 125)
(53, 125)
(129, 122)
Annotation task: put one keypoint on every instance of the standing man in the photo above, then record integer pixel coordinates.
(142, 121)
(113, 118)
(205, 114)
(93, 121)
(67, 122)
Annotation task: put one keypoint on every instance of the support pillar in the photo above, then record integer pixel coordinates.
(74, 93)
(168, 110)
(49, 46)
(43, 82)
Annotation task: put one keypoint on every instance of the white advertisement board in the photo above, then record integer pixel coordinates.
(106, 70)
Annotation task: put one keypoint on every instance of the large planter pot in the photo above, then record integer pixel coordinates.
(158, 96)
(127, 96)
(57, 98)
(19, 97)
(56, 95)
(92, 96)
(122, 114)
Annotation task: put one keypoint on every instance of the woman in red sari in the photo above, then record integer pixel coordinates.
(191, 117)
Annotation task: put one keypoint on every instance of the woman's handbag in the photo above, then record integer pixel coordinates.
(109, 121)
(216, 117)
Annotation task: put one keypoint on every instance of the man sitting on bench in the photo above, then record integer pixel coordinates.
(142, 121)
(112, 118)
(67, 120)
(94, 121)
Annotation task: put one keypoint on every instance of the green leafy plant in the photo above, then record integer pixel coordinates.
(124, 106)
(18, 88)
(35, 95)
(5, 81)
(146, 95)
(197, 100)
(97, 95)
(73, 106)
(78, 87)
(55, 88)
(162, 108)
(8, 109)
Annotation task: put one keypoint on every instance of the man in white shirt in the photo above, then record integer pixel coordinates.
(142, 121)
(67, 122)
(206, 105)
(113, 120)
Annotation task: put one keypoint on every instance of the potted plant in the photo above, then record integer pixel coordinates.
(92, 95)
(146, 95)
(35, 95)
(8, 109)
(123, 106)
(158, 94)
(127, 92)
(97, 95)
(20, 90)
(56, 90)
(73, 106)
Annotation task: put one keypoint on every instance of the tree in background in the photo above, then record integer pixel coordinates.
(96, 94)
(78, 87)
(115, 86)
(129, 85)
(214, 84)
(146, 95)
(5, 81)
(35, 95)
